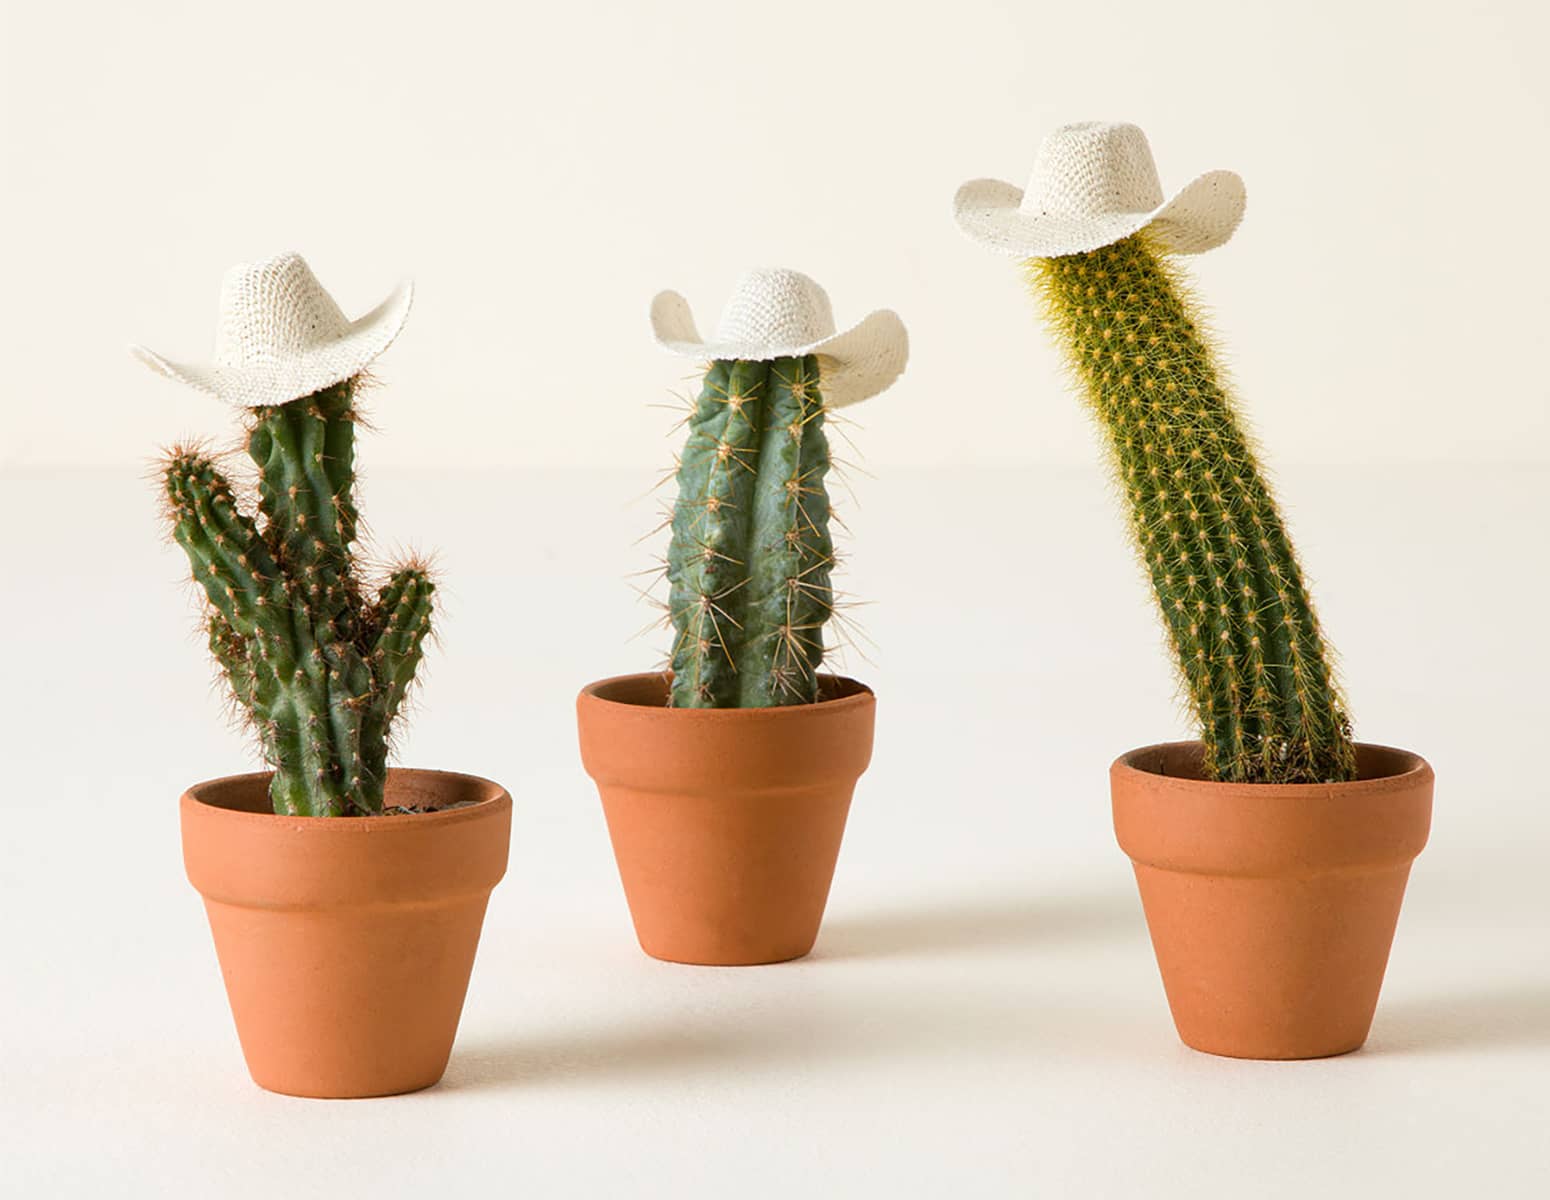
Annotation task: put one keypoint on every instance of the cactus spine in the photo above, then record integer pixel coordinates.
(751, 555)
(1220, 561)
(320, 671)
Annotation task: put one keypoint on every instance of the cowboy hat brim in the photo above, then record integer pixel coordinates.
(310, 371)
(1198, 217)
(855, 363)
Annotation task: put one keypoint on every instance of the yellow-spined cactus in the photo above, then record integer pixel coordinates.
(1223, 569)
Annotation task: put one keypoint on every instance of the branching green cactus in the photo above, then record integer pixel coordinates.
(750, 558)
(320, 671)
(1221, 563)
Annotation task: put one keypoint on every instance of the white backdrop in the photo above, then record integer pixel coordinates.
(542, 169)
(982, 1016)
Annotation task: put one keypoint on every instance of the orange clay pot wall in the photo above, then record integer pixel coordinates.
(346, 943)
(726, 823)
(1271, 907)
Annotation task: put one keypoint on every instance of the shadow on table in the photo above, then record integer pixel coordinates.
(1513, 1018)
(989, 923)
(951, 1026)
(575, 1055)
(942, 1016)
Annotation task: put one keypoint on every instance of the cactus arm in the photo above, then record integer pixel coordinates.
(790, 552)
(398, 625)
(708, 557)
(246, 590)
(1222, 567)
(226, 554)
(407, 606)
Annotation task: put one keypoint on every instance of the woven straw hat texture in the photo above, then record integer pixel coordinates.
(280, 336)
(1093, 184)
(778, 313)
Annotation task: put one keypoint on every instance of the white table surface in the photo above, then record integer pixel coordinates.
(982, 1016)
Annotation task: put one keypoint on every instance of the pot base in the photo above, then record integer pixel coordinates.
(742, 957)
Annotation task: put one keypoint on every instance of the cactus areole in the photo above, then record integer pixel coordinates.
(750, 558)
(1253, 661)
(318, 668)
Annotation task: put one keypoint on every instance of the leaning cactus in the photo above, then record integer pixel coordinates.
(1221, 564)
(749, 564)
(1093, 227)
(320, 670)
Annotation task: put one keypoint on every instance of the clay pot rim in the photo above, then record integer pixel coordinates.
(193, 801)
(853, 694)
(1412, 769)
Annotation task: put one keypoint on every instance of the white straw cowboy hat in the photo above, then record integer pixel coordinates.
(281, 336)
(776, 313)
(1093, 184)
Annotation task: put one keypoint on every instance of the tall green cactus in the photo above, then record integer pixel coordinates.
(320, 671)
(750, 558)
(1221, 563)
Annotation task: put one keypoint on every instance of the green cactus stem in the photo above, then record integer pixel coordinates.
(751, 555)
(1222, 567)
(320, 672)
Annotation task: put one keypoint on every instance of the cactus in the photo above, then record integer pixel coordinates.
(750, 558)
(1251, 655)
(320, 671)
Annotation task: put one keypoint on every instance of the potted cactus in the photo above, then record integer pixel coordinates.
(1271, 854)
(345, 896)
(726, 780)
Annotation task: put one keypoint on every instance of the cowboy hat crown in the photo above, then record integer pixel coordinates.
(274, 310)
(1093, 168)
(773, 307)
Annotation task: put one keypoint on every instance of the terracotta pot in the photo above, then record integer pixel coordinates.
(1271, 906)
(726, 823)
(346, 942)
